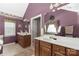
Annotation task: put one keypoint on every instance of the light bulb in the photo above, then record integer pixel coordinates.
(58, 8)
(56, 5)
(53, 10)
(51, 6)
(25, 20)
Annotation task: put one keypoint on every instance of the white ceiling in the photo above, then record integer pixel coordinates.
(71, 7)
(17, 9)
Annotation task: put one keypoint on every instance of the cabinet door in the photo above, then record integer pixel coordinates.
(27, 40)
(44, 51)
(22, 42)
(37, 48)
(58, 54)
(59, 49)
(17, 38)
(45, 44)
(71, 52)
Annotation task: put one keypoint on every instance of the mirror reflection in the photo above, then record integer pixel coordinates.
(53, 26)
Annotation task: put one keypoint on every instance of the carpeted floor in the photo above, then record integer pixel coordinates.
(13, 49)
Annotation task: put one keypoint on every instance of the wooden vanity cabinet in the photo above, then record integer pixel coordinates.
(28, 39)
(24, 41)
(45, 49)
(72, 52)
(58, 50)
(37, 47)
(42, 48)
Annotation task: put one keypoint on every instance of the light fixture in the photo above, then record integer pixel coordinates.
(51, 6)
(25, 20)
(57, 4)
(54, 6)
(53, 10)
(9, 15)
(58, 8)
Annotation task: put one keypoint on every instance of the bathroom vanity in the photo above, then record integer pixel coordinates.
(24, 40)
(51, 45)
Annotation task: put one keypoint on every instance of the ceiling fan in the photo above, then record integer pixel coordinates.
(55, 6)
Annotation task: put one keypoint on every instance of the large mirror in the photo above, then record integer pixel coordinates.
(52, 26)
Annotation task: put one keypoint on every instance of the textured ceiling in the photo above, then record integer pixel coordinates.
(17, 9)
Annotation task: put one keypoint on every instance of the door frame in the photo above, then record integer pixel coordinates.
(33, 18)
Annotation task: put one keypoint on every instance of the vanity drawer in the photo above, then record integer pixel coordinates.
(36, 42)
(24, 41)
(44, 51)
(60, 49)
(45, 44)
(72, 52)
(37, 48)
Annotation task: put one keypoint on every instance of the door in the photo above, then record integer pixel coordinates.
(36, 31)
(38, 27)
(37, 48)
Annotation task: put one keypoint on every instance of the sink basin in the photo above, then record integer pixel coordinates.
(23, 33)
(49, 37)
(53, 38)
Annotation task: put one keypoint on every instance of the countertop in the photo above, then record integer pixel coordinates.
(69, 42)
(23, 33)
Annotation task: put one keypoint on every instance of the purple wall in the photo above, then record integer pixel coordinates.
(12, 38)
(77, 26)
(78, 17)
(19, 22)
(9, 39)
(1, 25)
(65, 17)
(35, 9)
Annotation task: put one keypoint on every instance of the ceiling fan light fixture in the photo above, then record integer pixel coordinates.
(25, 20)
(56, 5)
(53, 10)
(51, 6)
(58, 8)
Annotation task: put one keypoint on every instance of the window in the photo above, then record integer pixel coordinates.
(52, 29)
(9, 28)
